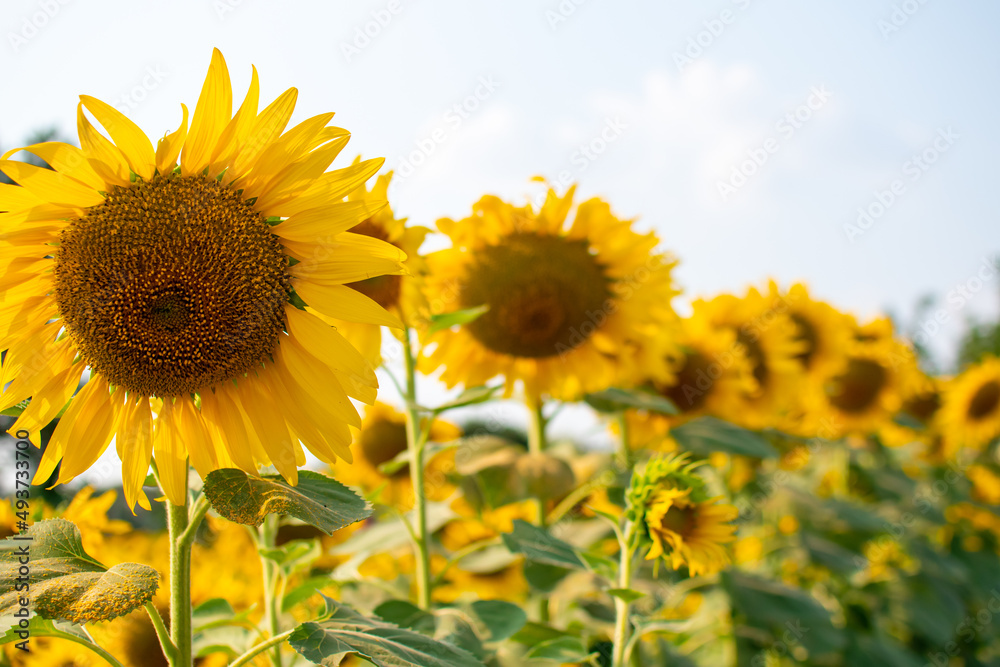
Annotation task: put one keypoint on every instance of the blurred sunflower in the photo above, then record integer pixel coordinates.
(970, 414)
(710, 375)
(399, 294)
(381, 439)
(921, 410)
(570, 309)
(176, 275)
(769, 341)
(868, 390)
(824, 333)
(985, 484)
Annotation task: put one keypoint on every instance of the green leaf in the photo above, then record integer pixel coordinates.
(563, 649)
(705, 435)
(470, 396)
(533, 633)
(406, 615)
(616, 400)
(456, 629)
(346, 632)
(626, 594)
(294, 555)
(541, 547)
(317, 499)
(44, 627)
(447, 320)
(502, 619)
(67, 583)
(599, 564)
(544, 577)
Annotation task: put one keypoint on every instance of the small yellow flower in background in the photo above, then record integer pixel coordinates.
(970, 414)
(381, 438)
(177, 276)
(680, 522)
(748, 550)
(788, 525)
(399, 294)
(571, 308)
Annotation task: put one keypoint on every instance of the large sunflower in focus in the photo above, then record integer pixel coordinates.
(571, 308)
(179, 276)
(970, 414)
(769, 341)
(400, 295)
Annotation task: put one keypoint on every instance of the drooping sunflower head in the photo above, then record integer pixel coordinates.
(569, 308)
(188, 279)
(681, 522)
(768, 340)
(970, 412)
(381, 438)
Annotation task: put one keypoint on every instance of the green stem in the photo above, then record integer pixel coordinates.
(625, 453)
(260, 648)
(622, 606)
(169, 649)
(267, 536)
(537, 445)
(416, 440)
(180, 583)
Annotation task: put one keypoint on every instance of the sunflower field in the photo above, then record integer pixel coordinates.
(787, 485)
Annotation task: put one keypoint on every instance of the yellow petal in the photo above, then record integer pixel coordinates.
(169, 147)
(237, 130)
(220, 411)
(47, 402)
(213, 112)
(329, 346)
(265, 129)
(66, 159)
(169, 452)
(305, 227)
(51, 185)
(83, 433)
(205, 455)
(270, 427)
(345, 303)
(131, 141)
(345, 258)
(334, 434)
(315, 377)
(329, 188)
(104, 156)
(134, 442)
(16, 198)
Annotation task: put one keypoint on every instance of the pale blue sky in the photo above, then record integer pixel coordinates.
(675, 133)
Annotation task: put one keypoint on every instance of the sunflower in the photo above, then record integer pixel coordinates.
(569, 308)
(921, 412)
(680, 522)
(381, 439)
(824, 333)
(868, 390)
(769, 341)
(970, 413)
(710, 373)
(688, 532)
(180, 277)
(985, 484)
(400, 295)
